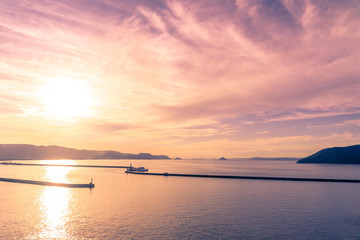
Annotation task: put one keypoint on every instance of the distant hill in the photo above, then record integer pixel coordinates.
(273, 158)
(335, 155)
(26, 151)
(119, 155)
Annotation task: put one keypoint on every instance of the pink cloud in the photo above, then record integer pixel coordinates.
(175, 66)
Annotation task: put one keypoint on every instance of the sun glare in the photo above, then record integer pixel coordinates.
(66, 99)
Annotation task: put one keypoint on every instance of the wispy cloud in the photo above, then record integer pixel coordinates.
(187, 71)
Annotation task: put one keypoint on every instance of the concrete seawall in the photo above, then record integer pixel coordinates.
(61, 165)
(68, 185)
(251, 177)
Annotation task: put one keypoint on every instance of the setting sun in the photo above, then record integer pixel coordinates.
(66, 99)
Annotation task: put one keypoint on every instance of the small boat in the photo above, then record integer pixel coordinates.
(136, 169)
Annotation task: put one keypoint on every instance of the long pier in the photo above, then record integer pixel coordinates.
(61, 165)
(68, 185)
(250, 177)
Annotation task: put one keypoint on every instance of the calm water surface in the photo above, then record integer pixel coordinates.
(123, 206)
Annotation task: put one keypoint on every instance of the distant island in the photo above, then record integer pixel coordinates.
(177, 158)
(222, 158)
(335, 155)
(29, 152)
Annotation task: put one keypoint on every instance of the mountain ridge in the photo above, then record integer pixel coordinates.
(335, 155)
(29, 152)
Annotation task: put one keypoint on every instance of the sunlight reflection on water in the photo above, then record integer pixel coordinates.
(58, 174)
(54, 206)
(55, 210)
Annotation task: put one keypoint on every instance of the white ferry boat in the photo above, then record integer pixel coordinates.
(136, 169)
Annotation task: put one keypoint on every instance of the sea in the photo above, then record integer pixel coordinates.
(126, 206)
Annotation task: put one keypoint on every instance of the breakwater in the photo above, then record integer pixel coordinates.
(61, 165)
(69, 185)
(251, 177)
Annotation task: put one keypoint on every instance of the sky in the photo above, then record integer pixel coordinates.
(265, 78)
